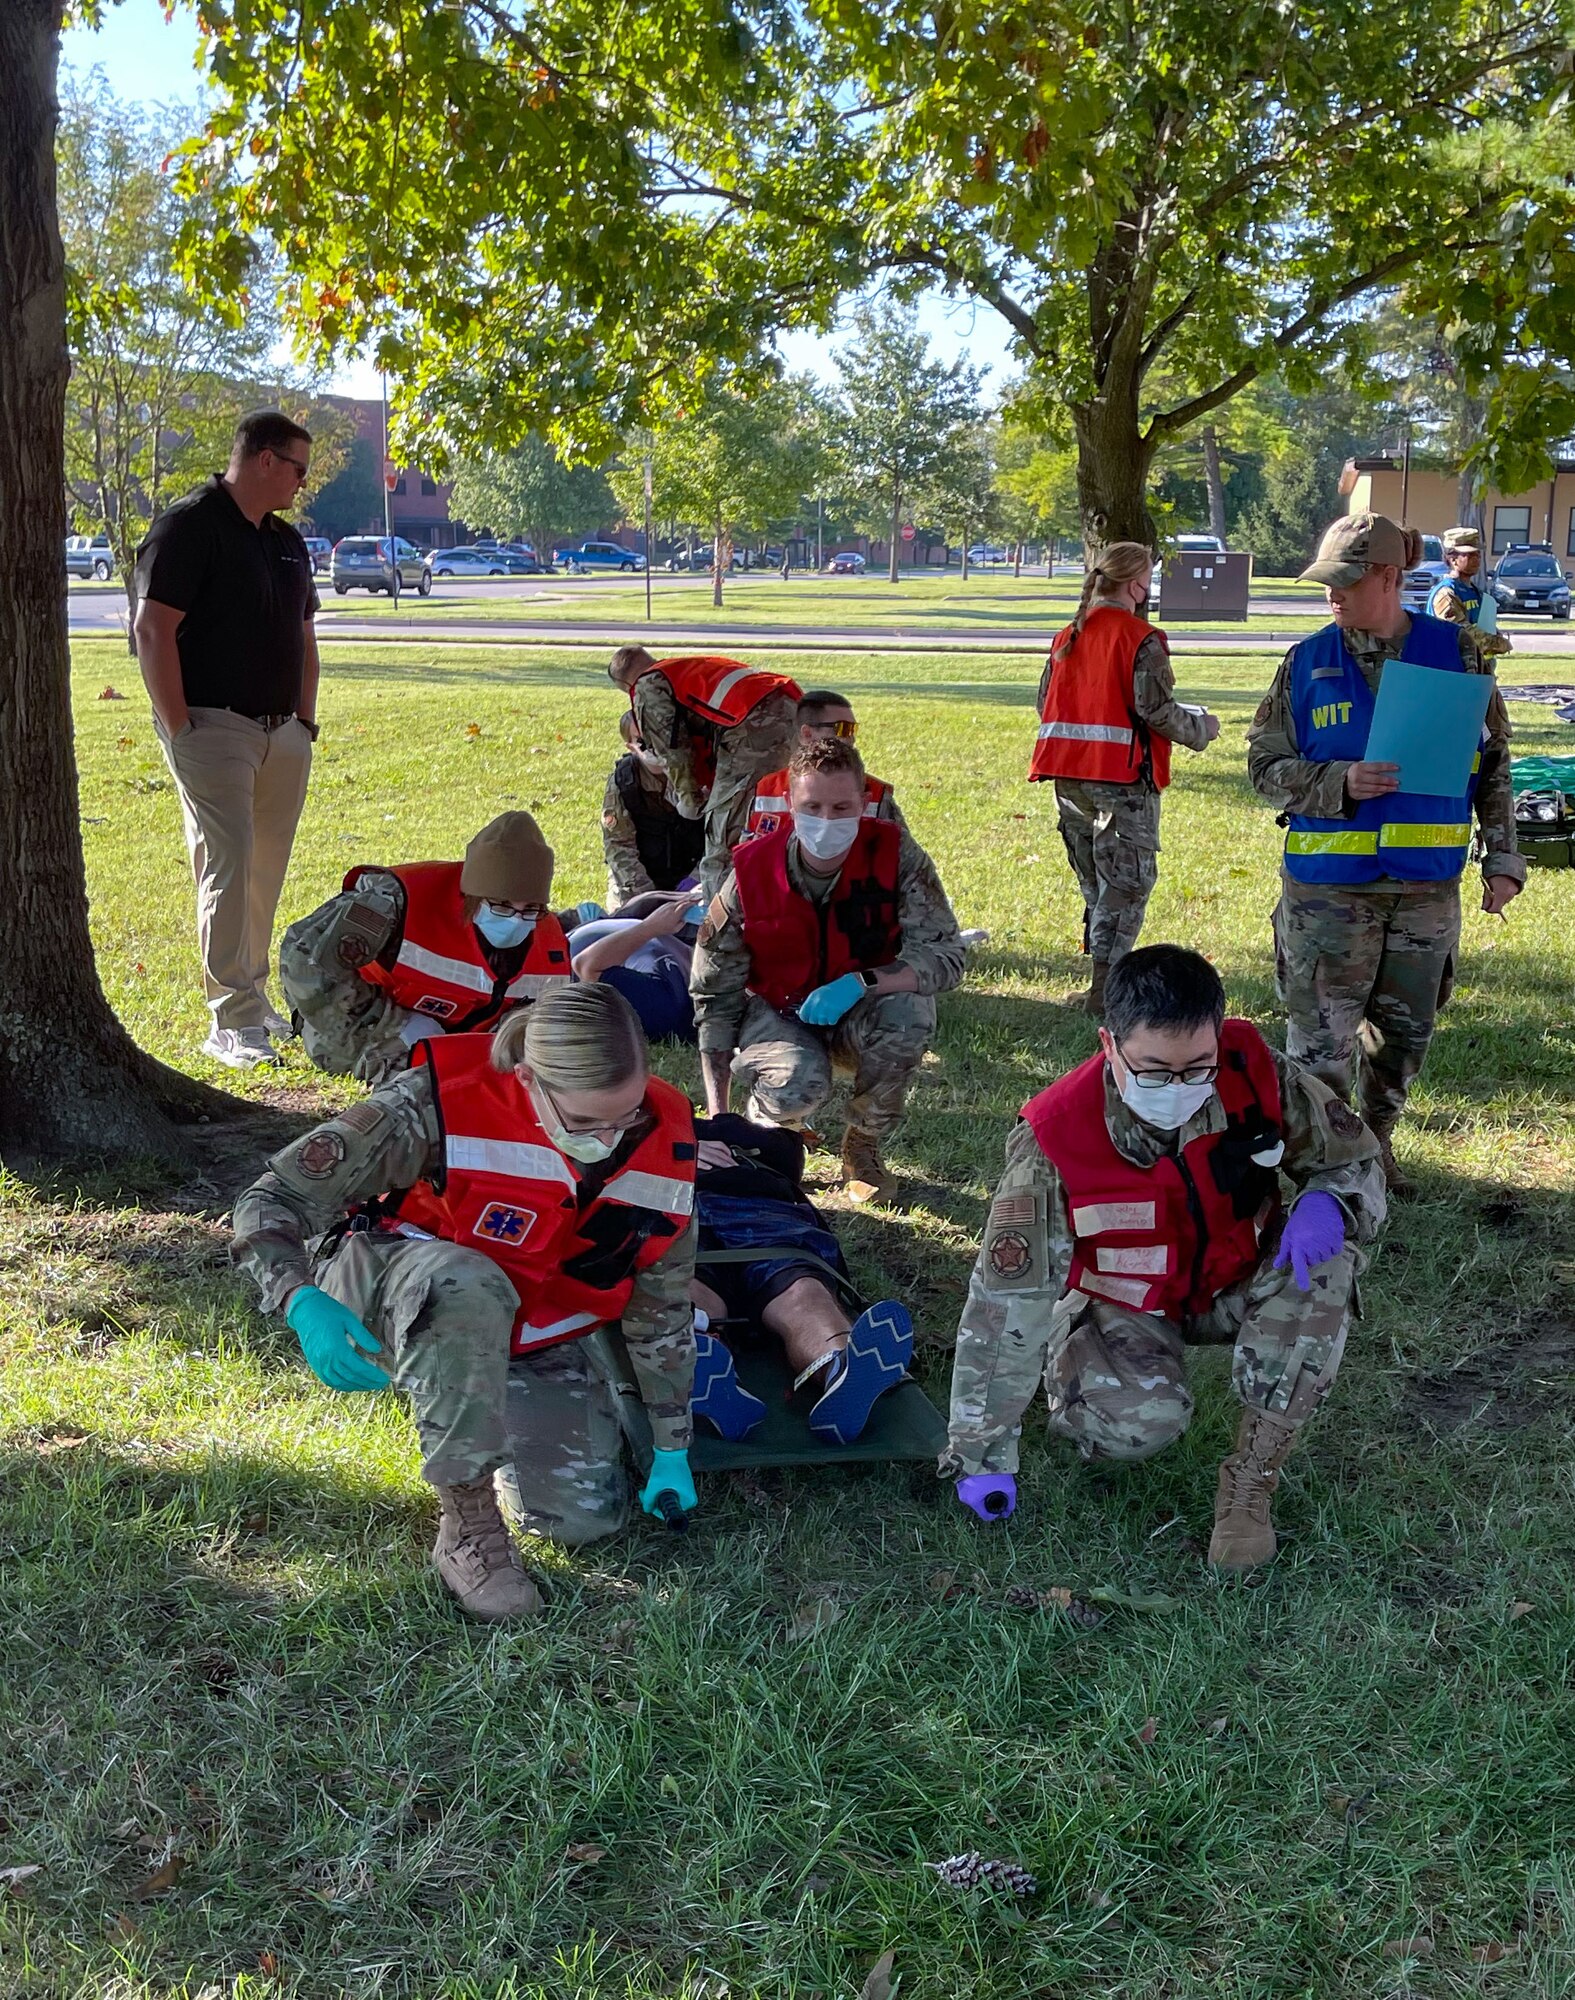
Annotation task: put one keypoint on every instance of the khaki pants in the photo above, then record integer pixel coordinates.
(241, 791)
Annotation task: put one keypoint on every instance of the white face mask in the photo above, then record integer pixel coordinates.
(1167, 1106)
(825, 839)
(584, 1147)
(502, 929)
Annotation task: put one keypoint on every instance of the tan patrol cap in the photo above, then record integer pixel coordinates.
(508, 862)
(1353, 545)
(1457, 539)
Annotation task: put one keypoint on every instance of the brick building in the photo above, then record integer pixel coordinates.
(1428, 498)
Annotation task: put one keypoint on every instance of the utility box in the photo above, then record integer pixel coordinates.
(1198, 584)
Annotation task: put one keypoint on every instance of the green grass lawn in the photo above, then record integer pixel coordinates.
(991, 602)
(251, 1750)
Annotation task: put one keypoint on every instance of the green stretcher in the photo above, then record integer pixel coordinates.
(904, 1424)
(1544, 790)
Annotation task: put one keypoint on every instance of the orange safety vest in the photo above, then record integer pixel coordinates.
(769, 808)
(796, 945)
(1168, 1238)
(719, 690)
(571, 1239)
(441, 969)
(1088, 727)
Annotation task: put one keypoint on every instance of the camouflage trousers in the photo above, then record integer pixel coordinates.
(751, 750)
(788, 1068)
(1111, 835)
(1362, 974)
(550, 1424)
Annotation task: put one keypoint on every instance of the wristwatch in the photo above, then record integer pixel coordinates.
(311, 728)
(870, 978)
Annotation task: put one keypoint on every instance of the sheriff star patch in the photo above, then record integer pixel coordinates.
(319, 1154)
(1010, 1254)
(1342, 1120)
(353, 952)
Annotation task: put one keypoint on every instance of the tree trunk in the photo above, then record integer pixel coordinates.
(896, 529)
(71, 1080)
(965, 546)
(1017, 561)
(721, 556)
(1215, 481)
(1112, 473)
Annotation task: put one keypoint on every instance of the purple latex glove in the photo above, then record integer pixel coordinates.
(1314, 1232)
(990, 1495)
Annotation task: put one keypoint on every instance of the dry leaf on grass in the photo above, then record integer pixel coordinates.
(1490, 1953)
(472, 728)
(812, 1615)
(267, 1964)
(1149, 1730)
(880, 1985)
(1520, 1607)
(121, 1927)
(13, 1878)
(1411, 1947)
(111, 694)
(585, 1851)
(160, 1880)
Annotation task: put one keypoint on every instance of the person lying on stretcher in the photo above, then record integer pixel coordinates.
(749, 1199)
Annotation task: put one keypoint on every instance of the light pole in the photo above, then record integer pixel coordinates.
(820, 527)
(388, 502)
(648, 483)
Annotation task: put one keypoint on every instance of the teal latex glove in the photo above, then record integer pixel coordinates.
(329, 1334)
(669, 1474)
(825, 1007)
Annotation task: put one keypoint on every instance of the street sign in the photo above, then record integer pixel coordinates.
(909, 532)
(390, 474)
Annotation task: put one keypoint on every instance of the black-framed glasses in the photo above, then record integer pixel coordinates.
(284, 458)
(1158, 1079)
(515, 909)
(610, 1133)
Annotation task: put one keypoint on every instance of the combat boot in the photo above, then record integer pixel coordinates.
(1396, 1179)
(863, 1173)
(475, 1555)
(1093, 1001)
(1243, 1532)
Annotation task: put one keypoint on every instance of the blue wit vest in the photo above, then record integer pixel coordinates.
(1407, 836)
(1467, 589)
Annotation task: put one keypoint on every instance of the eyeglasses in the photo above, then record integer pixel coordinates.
(516, 909)
(845, 730)
(1159, 1079)
(608, 1132)
(284, 458)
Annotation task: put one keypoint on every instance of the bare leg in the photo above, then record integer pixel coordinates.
(808, 1321)
(712, 1304)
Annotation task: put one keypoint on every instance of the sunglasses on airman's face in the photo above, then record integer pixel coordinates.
(846, 730)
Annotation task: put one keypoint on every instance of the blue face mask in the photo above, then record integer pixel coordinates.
(502, 927)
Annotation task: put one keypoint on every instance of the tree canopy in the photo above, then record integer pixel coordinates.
(529, 494)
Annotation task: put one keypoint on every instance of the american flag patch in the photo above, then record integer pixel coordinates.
(1010, 1211)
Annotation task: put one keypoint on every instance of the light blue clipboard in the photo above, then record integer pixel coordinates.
(1429, 722)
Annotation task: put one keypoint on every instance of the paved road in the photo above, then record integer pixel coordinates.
(100, 612)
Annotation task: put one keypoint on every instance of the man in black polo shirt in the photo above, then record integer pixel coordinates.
(229, 656)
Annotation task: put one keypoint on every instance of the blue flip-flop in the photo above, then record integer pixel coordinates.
(719, 1396)
(880, 1346)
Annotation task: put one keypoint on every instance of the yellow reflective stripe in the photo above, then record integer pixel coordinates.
(1331, 843)
(1420, 834)
(1476, 763)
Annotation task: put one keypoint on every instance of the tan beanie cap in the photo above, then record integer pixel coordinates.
(508, 862)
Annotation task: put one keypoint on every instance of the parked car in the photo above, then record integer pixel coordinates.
(468, 561)
(1417, 585)
(362, 562)
(90, 555)
(597, 556)
(321, 551)
(1528, 578)
(534, 566)
(697, 558)
(1199, 545)
(846, 562)
(985, 555)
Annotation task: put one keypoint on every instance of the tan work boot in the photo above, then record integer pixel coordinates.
(1243, 1532)
(863, 1173)
(475, 1556)
(1093, 1001)
(1396, 1179)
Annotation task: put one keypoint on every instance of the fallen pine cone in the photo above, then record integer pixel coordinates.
(1085, 1616)
(972, 1871)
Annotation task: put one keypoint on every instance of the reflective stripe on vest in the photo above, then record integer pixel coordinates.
(532, 985)
(1084, 732)
(725, 686)
(642, 1190)
(468, 1153)
(435, 966)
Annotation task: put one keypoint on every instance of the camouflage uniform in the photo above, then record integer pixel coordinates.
(787, 1067)
(1444, 604)
(626, 872)
(1115, 1377)
(444, 1314)
(1362, 971)
(750, 750)
(1111, 831)
(348, 1026)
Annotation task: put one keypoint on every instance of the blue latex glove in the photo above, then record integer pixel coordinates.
(825, 1007)
(1314, 1232)
(669, 1474)
(329, 1334)
(990, 1495)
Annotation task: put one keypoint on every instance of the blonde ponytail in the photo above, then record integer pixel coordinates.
(574, 1038)
(1118, 563)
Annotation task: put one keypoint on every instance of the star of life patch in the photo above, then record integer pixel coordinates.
(501, 1222)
